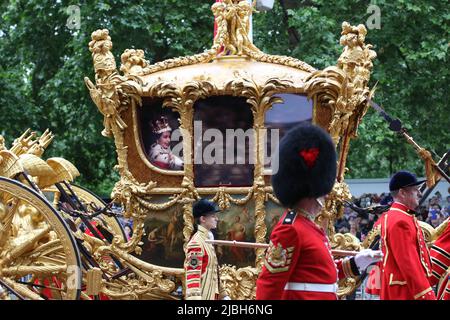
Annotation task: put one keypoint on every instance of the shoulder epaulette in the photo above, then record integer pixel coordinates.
(290, 217)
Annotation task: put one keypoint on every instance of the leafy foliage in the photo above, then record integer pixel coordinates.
(43, 64)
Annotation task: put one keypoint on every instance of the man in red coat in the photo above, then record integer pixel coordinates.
(406, 267)
(298, 263)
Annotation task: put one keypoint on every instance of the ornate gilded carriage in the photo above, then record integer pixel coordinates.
(232, 75)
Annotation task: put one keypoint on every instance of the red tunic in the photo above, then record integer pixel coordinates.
(440, 260)
(299, 256)
(406, 267)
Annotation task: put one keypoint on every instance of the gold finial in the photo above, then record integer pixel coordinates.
(41, 143)
(133, 61)
(101, 46)
(233, 27)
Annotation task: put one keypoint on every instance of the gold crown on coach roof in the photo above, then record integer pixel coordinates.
(161, 125)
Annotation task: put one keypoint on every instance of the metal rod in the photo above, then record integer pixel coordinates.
(82, 217)
(81, 205)
(30, 182)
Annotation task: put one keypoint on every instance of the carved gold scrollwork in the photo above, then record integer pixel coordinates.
(104, 94)
(428, 231)
(281, 60)
(260, 215)
(112, 92)
(344, 89)
(345, 242)
(356, 62)
(239, 283)
(147, 281)
(260, 97)
(134, 196)
(333, 210)
(347, 286)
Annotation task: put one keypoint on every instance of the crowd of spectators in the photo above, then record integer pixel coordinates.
(434, 211)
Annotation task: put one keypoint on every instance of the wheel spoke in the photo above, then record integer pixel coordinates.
(40, 270)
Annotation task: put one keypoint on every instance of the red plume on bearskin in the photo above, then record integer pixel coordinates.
(306, 164)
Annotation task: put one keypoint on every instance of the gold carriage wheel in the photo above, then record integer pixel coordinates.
(39, 258)
(88, 197)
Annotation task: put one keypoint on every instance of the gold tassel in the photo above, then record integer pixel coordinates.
(430, 168)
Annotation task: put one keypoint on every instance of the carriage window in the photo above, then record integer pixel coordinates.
(282, 117)
(161, 136)
(223, 142)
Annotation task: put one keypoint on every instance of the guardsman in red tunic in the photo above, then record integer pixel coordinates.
(406, 267)
(298, 263)
(201, 266)
(440, 260)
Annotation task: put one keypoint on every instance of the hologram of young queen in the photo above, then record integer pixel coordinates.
(159, 152)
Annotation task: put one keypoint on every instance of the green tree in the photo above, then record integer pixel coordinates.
(411, 71)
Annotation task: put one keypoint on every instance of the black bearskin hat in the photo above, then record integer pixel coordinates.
(307, 165)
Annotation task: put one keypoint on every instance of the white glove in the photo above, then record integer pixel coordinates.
(226, 298)
(366, 257)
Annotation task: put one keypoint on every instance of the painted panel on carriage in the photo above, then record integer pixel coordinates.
(163, 238)
(160, 135)
(223, 142)
(236, 223)
(282, 117)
